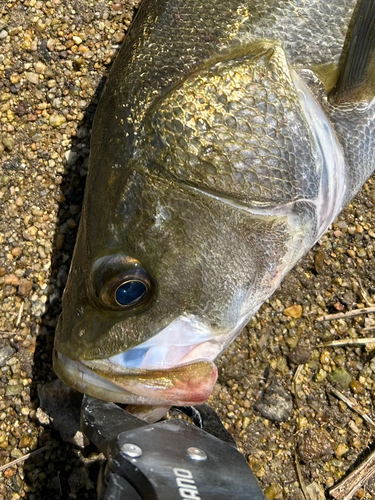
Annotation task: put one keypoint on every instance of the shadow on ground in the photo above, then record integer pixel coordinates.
(63, 470)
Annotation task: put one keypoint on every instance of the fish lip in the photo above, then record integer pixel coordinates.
(186, 384)
(174, 367)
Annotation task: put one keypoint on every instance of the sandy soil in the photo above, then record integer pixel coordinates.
(54, 56)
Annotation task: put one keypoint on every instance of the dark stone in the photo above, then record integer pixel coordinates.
(276, 403)
(349, 298)
(13, 164)
(319, 259)
(78, 479)
(299, 355)
(5, 354)
(44, 52)
(22, 109)
(314, 445)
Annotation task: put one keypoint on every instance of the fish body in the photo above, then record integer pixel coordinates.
(228, 137)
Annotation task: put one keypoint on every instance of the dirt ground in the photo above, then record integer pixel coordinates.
(278, 382)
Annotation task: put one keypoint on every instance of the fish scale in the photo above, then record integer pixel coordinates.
(228, 137)
(247, 169)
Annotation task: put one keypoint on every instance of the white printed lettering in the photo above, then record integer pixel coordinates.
(182, 473)
(184, 482)
(188, 494)
(186, 485)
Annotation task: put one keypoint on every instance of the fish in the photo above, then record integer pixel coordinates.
(228, 137)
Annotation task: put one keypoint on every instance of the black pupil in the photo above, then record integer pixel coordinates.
(130, 292)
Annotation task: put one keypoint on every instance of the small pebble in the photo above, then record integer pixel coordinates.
(25, 287)
(30, 233)
(77, 40)
(16, 251)
(42, 417)
(15, 78)
(78, 478)
(13, 390)
(25, 441)
(57, 120)
(321, 375)
(273, 491)
(356, 387)
(71, 223)
(37, 212)
(5, 354)
(356, 442)
(119, 37)
(314, 444)
(341, 377)
(338, 306)
(341, 449)
(8, 143)
(40, 67)
(294, 311)
(325, 357)
(32, 77)
(316, 491)
(16, 453)
(276, 403)
(319, 258)
(11, 279)
(60, 238)
(360, 493)
(51, 43)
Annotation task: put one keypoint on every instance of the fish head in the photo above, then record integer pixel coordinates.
(143, 322)
(180, 244)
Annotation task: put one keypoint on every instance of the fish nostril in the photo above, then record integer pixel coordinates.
(79, 312)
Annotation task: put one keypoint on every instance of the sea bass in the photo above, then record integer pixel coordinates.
(228, 137)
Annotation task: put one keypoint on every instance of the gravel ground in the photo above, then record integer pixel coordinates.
(54, 56)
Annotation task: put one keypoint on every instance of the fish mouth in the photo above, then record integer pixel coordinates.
(175, 367)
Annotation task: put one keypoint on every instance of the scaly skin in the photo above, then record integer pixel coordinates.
(203, 166)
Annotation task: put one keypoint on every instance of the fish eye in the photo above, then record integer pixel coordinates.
(130, 292)
(128, 289)
(121, 283)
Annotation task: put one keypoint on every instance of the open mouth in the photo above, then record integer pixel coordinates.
(173, 367)
(184, 340)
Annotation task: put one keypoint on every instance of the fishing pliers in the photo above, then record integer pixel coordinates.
(169, 460)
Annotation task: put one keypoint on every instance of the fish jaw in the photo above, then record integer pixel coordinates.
(186, 384)
(186, 339)
(173, 367)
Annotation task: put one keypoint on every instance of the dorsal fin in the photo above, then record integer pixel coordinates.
(356, 82)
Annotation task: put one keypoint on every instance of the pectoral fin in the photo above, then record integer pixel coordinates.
(356, 82)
